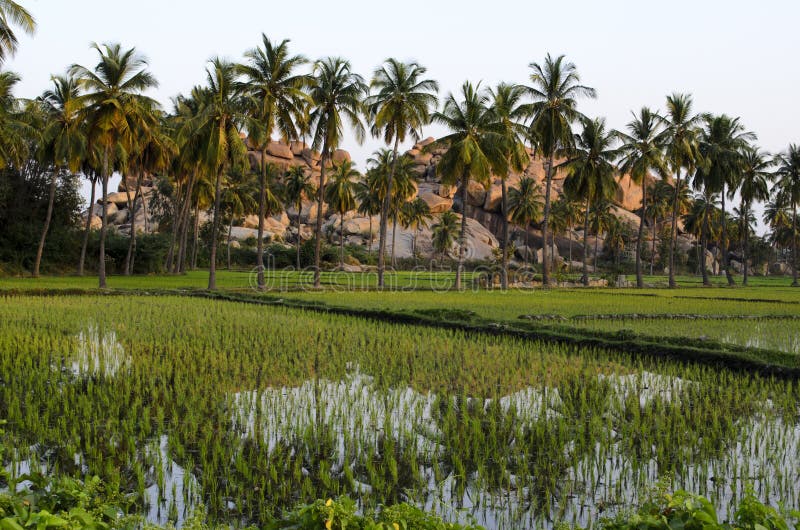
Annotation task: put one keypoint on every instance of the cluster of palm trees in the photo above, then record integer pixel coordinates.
(98, 120)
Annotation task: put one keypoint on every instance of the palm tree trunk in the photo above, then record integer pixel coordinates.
(794, 245)
(262, 206)
(585, 277)
(176, 220)
(87, 228)
(569, 236)
(185, 218)
(371, 236)
(129, 258)
(546, 221)
(50, 201)
(745, 238)
(463, 236)
(212, 266)
(299, 207)
(596, 243)
(704, 244)
(101, 271)
(230, 232)
(384, 221)
(653, 247)
(394, 238)
(674, 234)
(195, 238)
(639, 272)
(341, 240)
(725, 264)
(318, 231)
(504, 248)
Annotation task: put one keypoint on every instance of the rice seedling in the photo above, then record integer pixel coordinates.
(253, 409)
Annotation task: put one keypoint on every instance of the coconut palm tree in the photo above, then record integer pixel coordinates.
(298, 185)
(202, 198)
(13, 14)
(590, 175)
(555, 89)
(63, 142)
(525, 205)
(475, 150)
(788, 173)
(565, 213)
(337, 94)
(400, 106)
(444, 233)
(508, 112)
(681, 153)
(720, 144)
(222, 148)
(415, 214)
(113, 104)
(340, 196)
(754, 179)
(600, 221)
(275, 99)
(153, 153)
(642, 153)
(657, 209)
(617, 233)
(702, 221)
(16, 125)
(238, 200)
(369, 200)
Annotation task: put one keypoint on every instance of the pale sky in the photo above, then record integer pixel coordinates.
(737, 57)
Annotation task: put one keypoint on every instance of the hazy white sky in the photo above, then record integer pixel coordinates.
(737, 57)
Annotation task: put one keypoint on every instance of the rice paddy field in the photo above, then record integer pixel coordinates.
(248, 408)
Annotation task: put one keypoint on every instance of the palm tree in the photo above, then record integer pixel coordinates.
(753, 186)
(681, 152)
(475, 150)
(444, 232)
(339, 195)
(657, 209)
(336, 94)
(63, 142)
(415, 214)
(525, 205)
(642, 152)
(566, 213)
(590, 174)
(153, 153)
(275, 97)
(617, 232)
(702, 221)
(555, 89)
(788, 172)
(508, 111)
(202, 198)
(400, 106)
(403, 187)
(600, 220)
(222, 148)
(16, 126)
(187, 171)
(720, 144)
(11, 13)
(113, 104)
(369, 200)
(238, 200)
(298, 185)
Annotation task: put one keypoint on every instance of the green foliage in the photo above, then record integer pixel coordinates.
(686, 511)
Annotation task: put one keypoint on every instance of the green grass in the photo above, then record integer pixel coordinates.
(268, 406)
